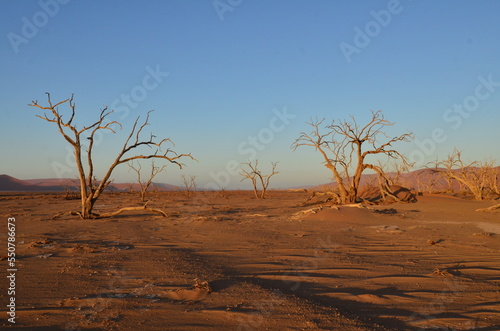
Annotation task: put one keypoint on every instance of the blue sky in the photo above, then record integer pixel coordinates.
(217, 73)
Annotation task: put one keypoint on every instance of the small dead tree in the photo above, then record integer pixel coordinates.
(426, 180)
(438, 176)
(70, 188)
(492, 176)
(91, 190)
(189, 184)
(469, 175)
(343, 146)
(255, 175)
(398, 169)
(144, 185)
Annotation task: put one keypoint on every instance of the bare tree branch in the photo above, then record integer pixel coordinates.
(89, 187)
(189, 184)
(342, 147)
(475, 176)
(144, 185)
(253, 173)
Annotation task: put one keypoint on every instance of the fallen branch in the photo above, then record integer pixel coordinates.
(306, 212)
(322, 197)
(497, 206)
(154, 210)
(356, 205)
(145, 207)
(77, 213)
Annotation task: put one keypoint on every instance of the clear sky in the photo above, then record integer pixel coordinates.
(231, 80)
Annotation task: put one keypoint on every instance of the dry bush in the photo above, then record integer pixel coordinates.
(479, 178)
(189, 184)
(254, 173)
(144, 185)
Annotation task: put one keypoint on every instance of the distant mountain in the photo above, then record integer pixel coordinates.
(136, 187)
(417, 180)
(53, 182)
(11, 184)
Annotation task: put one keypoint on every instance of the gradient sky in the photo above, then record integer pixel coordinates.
(218, 72)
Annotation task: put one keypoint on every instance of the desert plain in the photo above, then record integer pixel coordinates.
(229, 261)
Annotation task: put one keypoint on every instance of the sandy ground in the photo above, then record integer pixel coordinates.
(231, 262)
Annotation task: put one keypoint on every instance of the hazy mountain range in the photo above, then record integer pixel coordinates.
(11, 184)
(419, 180)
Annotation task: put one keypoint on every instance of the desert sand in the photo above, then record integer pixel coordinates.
(227, 261)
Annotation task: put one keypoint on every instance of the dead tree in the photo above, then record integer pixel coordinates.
(91, 190)
(469, 175)
(492, 175)
(426, 180)
(254, 174)
(144, 185)
(69, 187)
(438, 175)
(189, 184)
(343, 146)
(396, 175)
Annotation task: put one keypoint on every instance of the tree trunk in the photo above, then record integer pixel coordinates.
(87, 207)
(263, 193)
(255, 189)
(351, 198)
